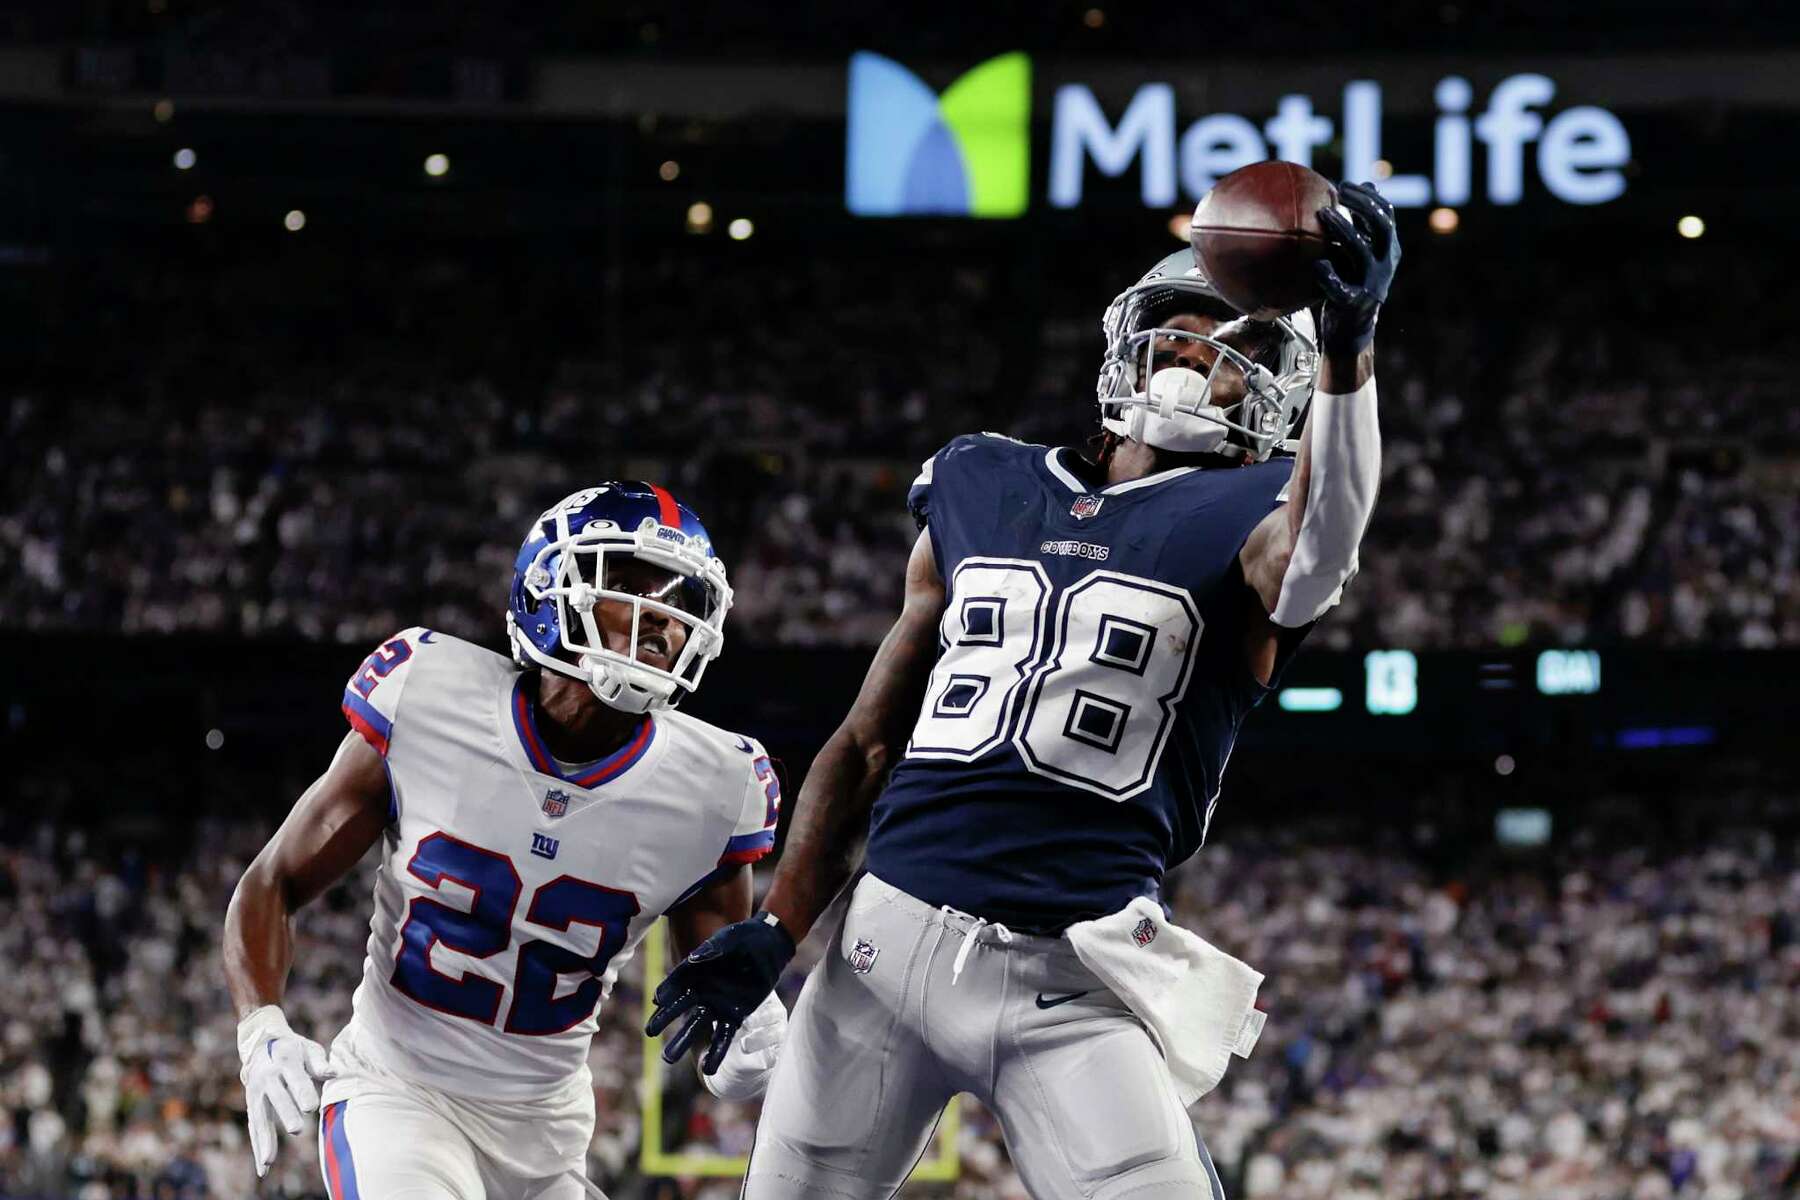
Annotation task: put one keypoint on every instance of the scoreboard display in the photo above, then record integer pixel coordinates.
(1402, 702)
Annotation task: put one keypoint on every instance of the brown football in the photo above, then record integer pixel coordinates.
(1257, 234)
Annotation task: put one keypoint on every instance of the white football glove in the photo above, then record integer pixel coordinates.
(278, 1074)
(750, 1062)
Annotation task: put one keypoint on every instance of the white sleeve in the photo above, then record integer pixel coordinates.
(372, 693)
(754, 835)
(1340, 496)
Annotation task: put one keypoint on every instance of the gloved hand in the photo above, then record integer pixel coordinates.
(1369, 248)
(278, 1073)
(748, 1066)
(723, 981)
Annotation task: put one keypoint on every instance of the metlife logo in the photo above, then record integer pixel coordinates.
(912, 152)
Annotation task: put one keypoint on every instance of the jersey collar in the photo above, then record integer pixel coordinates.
(593, 775)
(1053, 461)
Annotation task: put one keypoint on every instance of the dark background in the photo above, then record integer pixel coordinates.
(234, 457)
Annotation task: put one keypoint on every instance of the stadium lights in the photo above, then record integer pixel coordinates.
(740, 229)
(185, 159)
(1391, 682)
(699, 217)
(1690, 227)
(295, 221)
(437, 165)
(1310, 699)
(1504, 765)
(1522, 826)
(1443, 220)
(215, 738)
(200, 210)
(1653, 737)
(669, 172)
(1568, 672)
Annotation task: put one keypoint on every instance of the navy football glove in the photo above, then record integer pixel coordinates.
(1366, 245)
(720, 984)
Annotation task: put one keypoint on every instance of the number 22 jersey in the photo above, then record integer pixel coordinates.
(512, 888)
(1090, 682)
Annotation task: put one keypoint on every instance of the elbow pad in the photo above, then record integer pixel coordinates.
(1346, 474)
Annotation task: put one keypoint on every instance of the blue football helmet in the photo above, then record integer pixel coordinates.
(561, 576)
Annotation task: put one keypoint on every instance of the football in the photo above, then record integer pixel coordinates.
(1257, 234)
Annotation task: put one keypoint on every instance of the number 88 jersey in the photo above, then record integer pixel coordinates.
(1090, 682)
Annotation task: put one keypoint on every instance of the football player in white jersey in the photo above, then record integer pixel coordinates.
(536, 816)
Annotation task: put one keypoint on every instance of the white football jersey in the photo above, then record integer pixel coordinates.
(511, 893)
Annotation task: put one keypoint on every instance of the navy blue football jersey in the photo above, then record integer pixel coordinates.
(1090, 681)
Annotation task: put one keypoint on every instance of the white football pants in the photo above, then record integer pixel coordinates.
(888, 1029)
(383, 1138)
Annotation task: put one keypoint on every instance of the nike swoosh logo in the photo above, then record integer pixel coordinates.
(1044, 1001)
(744, 745)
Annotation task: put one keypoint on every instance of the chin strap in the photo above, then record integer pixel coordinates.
(613, 684)
(1346, 474)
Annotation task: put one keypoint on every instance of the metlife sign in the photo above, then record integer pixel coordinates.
(912, 152)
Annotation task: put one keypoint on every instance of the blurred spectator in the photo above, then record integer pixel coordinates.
(335, 448)
(1608, 1020)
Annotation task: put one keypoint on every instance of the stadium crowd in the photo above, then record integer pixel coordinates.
(1607, 1018)
(333, 450)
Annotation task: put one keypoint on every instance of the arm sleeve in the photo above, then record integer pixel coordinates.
(372, 693)
(1346, 475)
(754, 835)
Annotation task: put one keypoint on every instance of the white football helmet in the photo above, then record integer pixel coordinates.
(1173, 408)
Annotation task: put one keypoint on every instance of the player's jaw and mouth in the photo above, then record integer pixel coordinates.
(656, 638)
(656, 641)
(655, 649)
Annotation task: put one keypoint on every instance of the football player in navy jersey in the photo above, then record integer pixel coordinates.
(1042, 736)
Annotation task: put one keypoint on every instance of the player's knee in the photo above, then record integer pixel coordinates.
(775, 1184)
(1168, 1179)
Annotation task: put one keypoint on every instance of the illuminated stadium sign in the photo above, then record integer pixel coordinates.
(914, 152)
(1568, 672)
(1391, 680)
(967, 152)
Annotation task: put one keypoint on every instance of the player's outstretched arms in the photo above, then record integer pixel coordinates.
(832, 814)
(1299, 558)
(334, 823)
(728, 977)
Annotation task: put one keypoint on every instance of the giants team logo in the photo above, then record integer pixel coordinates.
(1145, 932)
(862, 956)
(556, 803)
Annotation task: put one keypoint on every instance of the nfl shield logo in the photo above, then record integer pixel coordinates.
(1145, 932)
(1086, 506)
(556, 803)
(862, 957)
